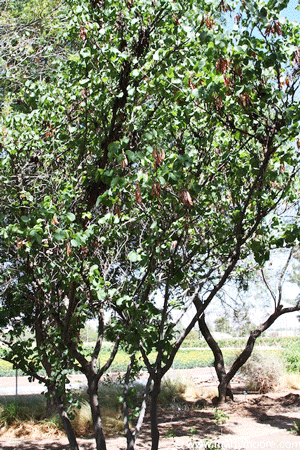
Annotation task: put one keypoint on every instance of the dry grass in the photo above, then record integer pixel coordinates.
(82, 422)
(209, 392)
(25, 417)
(177, 388)
(263, 373)
(112, 420)
(193, 392)
(32, 430)
(113, 423)
(291, 381)
(172, 390)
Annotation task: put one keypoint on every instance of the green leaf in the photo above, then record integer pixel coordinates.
(134, 256)
(59, 235)
(76, 242)
(71, 217)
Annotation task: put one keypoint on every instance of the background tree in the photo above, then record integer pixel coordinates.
(222, 325)
(278, 309)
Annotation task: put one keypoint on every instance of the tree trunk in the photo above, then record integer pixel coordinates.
(68, 427)
(224, 391)
(130, 438)
(153, 415)
(223, 377)
(95, 410)
(245, 355)
(224, 383)
(52, 406)
(56, 403)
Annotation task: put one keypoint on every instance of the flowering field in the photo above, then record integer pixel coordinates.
(192, 357)
(6, 369)
(185, 359)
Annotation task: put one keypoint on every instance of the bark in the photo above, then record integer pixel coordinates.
(55, 400)
(131, 436)
(93, 382)
(67, 426)
(153, 414)
(224, 385)
(51, 407)
(56, 403)
(143, 409)
(246, 353)
(128, 433)
(88, 368)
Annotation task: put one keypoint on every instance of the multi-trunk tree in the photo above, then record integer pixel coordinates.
(278, 309)
(144, 171)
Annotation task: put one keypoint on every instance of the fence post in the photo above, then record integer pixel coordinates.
(16, 382)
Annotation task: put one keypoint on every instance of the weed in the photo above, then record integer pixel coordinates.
(220, 416)
(170, 433)
(296, 427)
(9, 414)
(23, 409)
(53, 422)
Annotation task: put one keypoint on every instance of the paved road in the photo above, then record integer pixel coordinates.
(25, 387)
(200, 375)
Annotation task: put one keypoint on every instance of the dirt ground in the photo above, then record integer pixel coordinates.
(252, 421)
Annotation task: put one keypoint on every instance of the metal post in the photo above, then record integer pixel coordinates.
(16, 382)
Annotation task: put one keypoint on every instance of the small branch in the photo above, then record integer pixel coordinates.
(246, 353)
(212, 294)
(143, 409)
(146, 360)
(110, 359)
(99, 340)
(283, 272)
(268, 287)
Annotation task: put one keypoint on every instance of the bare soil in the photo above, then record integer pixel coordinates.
(252, 421)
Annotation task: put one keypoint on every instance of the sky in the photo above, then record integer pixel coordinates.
(291, 12)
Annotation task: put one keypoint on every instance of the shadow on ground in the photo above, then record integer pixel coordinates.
(34, 445)
(182, 420)
(259, 410)
(187, 420)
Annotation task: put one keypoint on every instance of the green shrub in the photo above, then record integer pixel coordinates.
(291, 355)
(27, 407)
(12, 412)
(9, 414)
